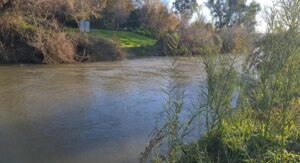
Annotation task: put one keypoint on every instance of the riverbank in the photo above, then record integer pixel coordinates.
(98, 45)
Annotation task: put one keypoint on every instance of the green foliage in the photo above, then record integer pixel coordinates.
(145, 32)
(264, 126)
(133, 21)
(183, 6)
(235, 22)
(172, 46)
(221, 82)
(233, 12)
(239, 141)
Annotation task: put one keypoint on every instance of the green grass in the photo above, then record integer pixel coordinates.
(123, 38)
(133, 43)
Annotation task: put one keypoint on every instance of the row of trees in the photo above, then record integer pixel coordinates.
(31, 21)
(233, 26)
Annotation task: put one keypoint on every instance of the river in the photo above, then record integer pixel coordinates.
(92, 113)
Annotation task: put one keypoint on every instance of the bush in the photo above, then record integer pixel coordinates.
(96, 49)
(170, 45)
(240, 141)
(197, 39)
(237, 40)
(158, 19)
(263, 127)
(54, 46)
(31, 31)
(24, 42)
(201, 39)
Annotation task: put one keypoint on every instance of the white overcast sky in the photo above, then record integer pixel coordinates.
(261, 26)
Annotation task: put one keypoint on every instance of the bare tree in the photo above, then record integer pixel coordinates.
(283, 15)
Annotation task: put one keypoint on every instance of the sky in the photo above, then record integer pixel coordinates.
(261, 25)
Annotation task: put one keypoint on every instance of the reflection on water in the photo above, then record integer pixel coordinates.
(100, 112)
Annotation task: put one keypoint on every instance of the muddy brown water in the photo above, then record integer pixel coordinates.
(92, 113)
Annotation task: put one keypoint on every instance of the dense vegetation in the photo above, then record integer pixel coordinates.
(32, 31)
(248, 115)
(38, 29)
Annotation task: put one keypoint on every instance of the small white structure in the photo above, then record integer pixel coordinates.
(85, 26)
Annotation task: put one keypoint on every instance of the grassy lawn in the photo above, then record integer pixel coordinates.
(134, 44)
(125, 40)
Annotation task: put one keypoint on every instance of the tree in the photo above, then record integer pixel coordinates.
(84, 9)
(158, 19)
(228, 13)
(201, 39)
(284, 15)
(117, 12)
(249, 19)
(185, 8)
(133, 20)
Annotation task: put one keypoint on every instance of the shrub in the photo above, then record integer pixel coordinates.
(200, 38)
(54, 46)
(170, 45)
(237, 40)
(264, 126)
(157, 18)
(240, 141)
(40, 44)
(34, 27)
(96, 49)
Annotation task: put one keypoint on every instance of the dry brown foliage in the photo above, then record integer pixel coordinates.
(54, 46)
(34, 24)
(117, 12)
(158, 18)
(84, 9)
(200, 38)
(95, 49)
(237, 40)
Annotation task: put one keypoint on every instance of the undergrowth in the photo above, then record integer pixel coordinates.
(261, 124)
